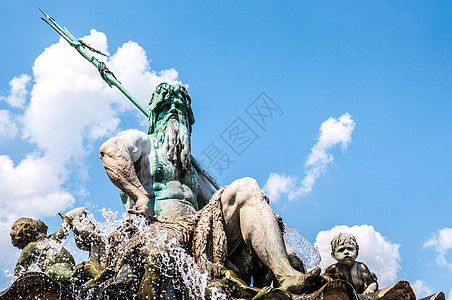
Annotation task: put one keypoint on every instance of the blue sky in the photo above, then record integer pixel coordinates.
(384, 66)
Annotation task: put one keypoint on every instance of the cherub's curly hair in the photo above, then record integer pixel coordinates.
(342, 239)
(26, 230)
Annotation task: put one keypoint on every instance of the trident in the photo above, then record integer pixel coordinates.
(111, 80)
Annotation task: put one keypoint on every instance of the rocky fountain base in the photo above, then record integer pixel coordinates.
(36, 285)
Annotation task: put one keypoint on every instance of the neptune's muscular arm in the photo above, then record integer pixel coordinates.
(120, 156)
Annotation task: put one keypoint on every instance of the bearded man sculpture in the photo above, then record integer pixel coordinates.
(156, 177)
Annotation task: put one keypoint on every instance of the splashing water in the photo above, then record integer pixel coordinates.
(302, 246)
(177, 269)
(180, 268)
(216, 294)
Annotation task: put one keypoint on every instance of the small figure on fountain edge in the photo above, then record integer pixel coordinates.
(344, 249)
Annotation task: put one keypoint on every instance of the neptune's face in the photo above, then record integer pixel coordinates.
(174, 109)
(170, 102)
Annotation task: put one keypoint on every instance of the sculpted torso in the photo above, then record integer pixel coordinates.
(169, 192)
(173, 195)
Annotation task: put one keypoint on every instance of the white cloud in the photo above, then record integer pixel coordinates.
(442, 243)
(421, 289)
(8, 128)
(70, 108)
(450, 294)
(332, 132)
(278, 184)
(376, 251)
(18, 91)
(32, 188)
(129, 62)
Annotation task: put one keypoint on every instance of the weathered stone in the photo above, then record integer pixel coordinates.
(401, 290)
(34, 285)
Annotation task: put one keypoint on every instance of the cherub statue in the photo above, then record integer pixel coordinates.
(47, 252)
(344, 249)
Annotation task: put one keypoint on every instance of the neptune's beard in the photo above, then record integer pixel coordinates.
(174, 140)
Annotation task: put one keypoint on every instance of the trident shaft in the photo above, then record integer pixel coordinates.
(110, 78)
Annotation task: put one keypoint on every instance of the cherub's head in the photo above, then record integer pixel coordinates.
(344, 248)
(27, 230)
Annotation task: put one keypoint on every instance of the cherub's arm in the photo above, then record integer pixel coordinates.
(63, 231)
(26, 259)
(370, 279)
